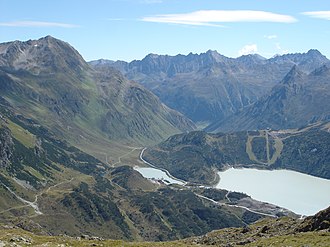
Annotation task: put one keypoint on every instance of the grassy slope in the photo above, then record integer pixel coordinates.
(198, 153)
(77, 194)
(268, 232)
(98, 111)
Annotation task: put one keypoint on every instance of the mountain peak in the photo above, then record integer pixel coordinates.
(307, 61)
(212, 53)
(46, 41)
(215, 55)
(42, 55)
(152, 56)
(251, 58)
(314, 52)
(101, 62)
(48, 37)
(212, 57)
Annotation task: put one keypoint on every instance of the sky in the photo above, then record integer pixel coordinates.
(131, 29)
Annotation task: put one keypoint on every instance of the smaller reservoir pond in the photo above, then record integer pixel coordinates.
(153, 173)
(298, 192)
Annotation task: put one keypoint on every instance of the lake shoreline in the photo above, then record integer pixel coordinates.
(285, 188)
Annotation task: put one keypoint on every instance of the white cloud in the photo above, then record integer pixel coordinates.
(318, 14)
(36, 24)
(248, 49)
(280, 50)
(211, 17)
(272, 36)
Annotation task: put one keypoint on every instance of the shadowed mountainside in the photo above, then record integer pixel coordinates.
(197, 156)
(49, 186)
(48, 81)
(268, 232)
(210, 87)
(299, 99)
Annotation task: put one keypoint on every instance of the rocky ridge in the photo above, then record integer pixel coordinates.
(209, 87)
(47, 80)
(285, 106)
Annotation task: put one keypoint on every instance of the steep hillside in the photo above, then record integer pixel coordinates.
(297, 100)
(312, 231)
(209, 86)
(270, 232)
(48, 81)
(197, 156)
(50, 187)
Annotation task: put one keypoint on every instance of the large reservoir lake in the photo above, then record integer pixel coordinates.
(298, 192)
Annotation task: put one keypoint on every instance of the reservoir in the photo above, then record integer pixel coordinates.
(153, 173)
(298, 192)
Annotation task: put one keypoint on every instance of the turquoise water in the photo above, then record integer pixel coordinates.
(298, 192)
(153, 173)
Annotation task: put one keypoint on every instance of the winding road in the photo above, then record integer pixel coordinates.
(201, 196)
(120, 157)
(33, 204)
(161, 169)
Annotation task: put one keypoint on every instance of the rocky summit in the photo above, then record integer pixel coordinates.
(210, 87)
(285, 106)
(72, 134)
(67, 135)
(47, 80)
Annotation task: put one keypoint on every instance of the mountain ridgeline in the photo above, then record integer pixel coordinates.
(297, 100)
(53, 107)
(48, 81)
(312, 231)
(209, 87)
(71, 132)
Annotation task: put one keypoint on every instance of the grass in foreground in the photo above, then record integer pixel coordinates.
(19, 237)
(10, 237)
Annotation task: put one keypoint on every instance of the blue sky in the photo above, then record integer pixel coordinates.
(131, 29)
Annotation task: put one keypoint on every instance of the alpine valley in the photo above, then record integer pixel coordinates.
(210, 88)
(71, 133)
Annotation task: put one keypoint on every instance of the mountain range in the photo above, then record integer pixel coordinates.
(47, 80)
(209, 87)
(71, 133)
(50, 187)
(64, 127)
(297, 100)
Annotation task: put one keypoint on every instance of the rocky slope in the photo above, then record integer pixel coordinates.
(197, 155)
(48, 186)
(48, 81)
(276, 232)
(210, 87)
(312, 231)
(299, 99)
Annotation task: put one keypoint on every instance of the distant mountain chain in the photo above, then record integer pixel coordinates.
(51, 102)
(299, 99)
(210, 88)
(71, 133)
